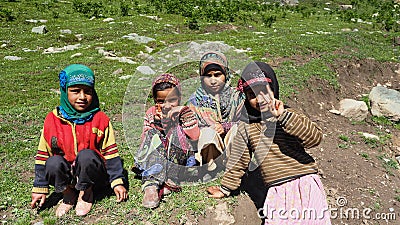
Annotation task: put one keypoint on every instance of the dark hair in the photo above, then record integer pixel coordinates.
(162, 86)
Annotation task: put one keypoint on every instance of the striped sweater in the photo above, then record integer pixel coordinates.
(278, 147)
(61, 137)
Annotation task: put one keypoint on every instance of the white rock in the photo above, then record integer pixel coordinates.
(370, 136)
(76, 55)
(385, 102)
(67, 31)
(12, 58)
(40, 29)
(145, 70)
(125, 77)
(118, 71)
(108, 20)
(334, 111)
(350, 108)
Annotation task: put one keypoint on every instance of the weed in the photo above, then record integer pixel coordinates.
(344, 138)
(342, 145)
(365, 155)
(388, 163)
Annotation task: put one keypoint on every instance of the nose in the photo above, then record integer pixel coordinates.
(166, 106)
(213, 80)
(82, 95)
(260, 99)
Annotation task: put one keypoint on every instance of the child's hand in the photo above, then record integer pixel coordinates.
(174, 112)
(219, 128)
(274, 106)
(38, 197)
(215, 192)
(121, 193)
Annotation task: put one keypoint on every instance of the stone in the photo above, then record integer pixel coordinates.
(145, 70)
(12, 58)
(40, 29)
(356, 110)
(385, 102)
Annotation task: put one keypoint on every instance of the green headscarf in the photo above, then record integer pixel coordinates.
(72, 75)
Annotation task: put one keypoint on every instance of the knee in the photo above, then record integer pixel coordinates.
(85, 155)
(55, 163)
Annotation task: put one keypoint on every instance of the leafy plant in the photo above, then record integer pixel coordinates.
(365, 155)
(344, 137)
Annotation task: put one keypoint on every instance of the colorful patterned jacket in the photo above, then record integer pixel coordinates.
(62, 137)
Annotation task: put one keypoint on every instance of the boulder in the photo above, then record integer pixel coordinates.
(40, 29)
(356, 110)
(385, 102)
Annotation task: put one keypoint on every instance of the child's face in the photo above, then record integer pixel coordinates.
(256, 97)
(80, 97)
(214, 81)
(167, 99)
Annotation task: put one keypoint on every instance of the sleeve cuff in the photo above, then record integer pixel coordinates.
(225, 190)
(40, 190)
(284, 117)
(116, 182)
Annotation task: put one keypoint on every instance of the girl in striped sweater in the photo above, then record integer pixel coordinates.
(168, 136)
(274, 138)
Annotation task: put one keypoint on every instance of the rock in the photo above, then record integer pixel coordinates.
(290, 2)
(40, 29)
(125, 77)
(138, 38)
(108, 20)
(356, 110)
(385, 102)
(67, 31)
(62, 49)
(76, 55)
(346, 7)
(122, 59)
(370, 136)
(335, 111)
(145, 70)
(12, 58)
(118, 71)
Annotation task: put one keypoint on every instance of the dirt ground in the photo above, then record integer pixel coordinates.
(353, 175)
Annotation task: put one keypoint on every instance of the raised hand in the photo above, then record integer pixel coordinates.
(274, 106)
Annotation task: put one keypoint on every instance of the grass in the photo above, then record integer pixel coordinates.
(27, 86)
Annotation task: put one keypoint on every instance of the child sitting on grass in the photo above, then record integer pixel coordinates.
(275, 138)
(77, 150)
(168, 134)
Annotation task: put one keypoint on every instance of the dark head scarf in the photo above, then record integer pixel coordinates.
(227, 99)
(72, 75)
(256, 73)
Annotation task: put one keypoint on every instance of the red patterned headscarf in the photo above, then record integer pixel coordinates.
(166, 78)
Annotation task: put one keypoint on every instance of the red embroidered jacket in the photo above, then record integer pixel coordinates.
(62, 137)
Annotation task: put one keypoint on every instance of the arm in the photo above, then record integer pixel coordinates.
(236, 166)
(40, 184)
(150, 120)
(113, 164)
(189, 123)
(301, 127)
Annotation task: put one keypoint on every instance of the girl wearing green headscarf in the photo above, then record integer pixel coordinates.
(77, 152)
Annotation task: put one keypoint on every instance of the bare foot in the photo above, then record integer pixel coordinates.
(85, 202)
(69, 200)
